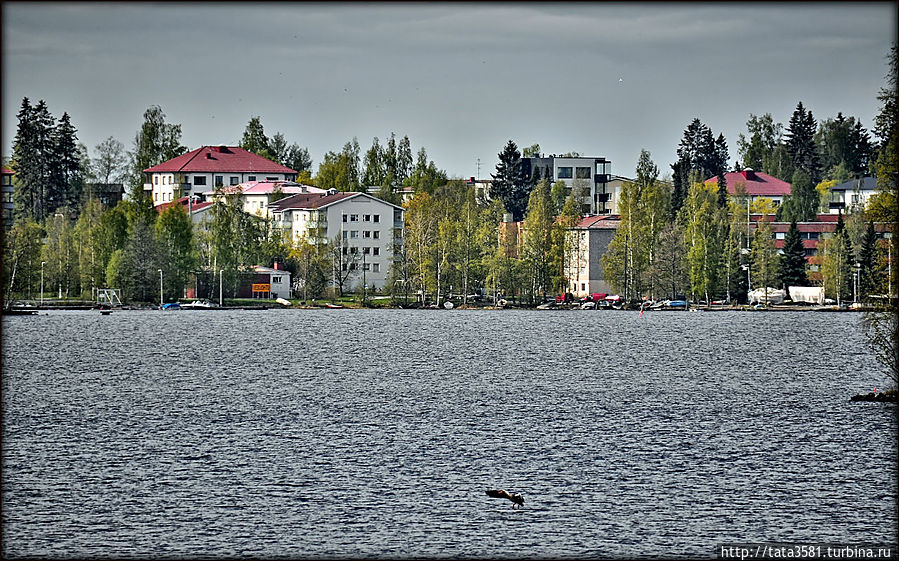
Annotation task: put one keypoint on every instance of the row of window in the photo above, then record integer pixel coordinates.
(366, 234)
(373, 267)
(565, 172)
(365, 218)
(365, 250)
(201, 179)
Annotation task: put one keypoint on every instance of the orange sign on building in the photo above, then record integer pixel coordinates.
(262, 287)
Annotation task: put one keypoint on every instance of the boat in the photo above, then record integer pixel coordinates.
(333, 306)
(19, 312)
(676, 304)
(199, 305)
(105, 312)
(283, 302)
(171, 306)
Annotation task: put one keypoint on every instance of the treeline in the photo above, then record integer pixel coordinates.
(687, 238)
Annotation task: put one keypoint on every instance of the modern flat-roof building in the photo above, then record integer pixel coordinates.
(592, 175)
(208, 167)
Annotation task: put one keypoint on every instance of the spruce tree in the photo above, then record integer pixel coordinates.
(867, 265)
(67, 175)
(792, 267)
(509, 184)
(800, 142)
(33, 160)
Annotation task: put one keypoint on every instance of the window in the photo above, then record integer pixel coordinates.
(366, 250)
(366, 266)
(354, 218)
(219, 180)
(366, 234)
(276, 280)
(582, 173)
(155, 180)
(272, 178)
(565, 173)
(375, 267)
(235, 180)
(376, 235)
(780, 235)
(376, 218)
(344, 217)
(376, 251)
(155, 196)
(354, 234)
(7, 197)
(199, 180)
(345, 234)
(583, 287)
(251, 178)
(366, 218)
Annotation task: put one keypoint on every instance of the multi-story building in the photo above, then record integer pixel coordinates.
(852, 195)
(208, 167)
(590, 176)
(366, 228)
(589, 240)
(7, 190)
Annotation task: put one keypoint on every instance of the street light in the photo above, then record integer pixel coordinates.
(221, 274)
(42, 283)
(160, 288)
(858, 268)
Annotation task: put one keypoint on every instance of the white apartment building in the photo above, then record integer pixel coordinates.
(583, 265)
(208, 167)
(367, 227)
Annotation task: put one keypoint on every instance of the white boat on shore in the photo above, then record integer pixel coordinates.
(199, 305)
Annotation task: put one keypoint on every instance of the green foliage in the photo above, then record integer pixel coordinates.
(509, 184)
(843, 142)
(21, 259)
(700, 156)
(255, 141)
(61, 271)
(109, 165)
(538, 241)
(759, 151)
(800, 143)
(88, 242)
(155, 142)
(340, 171)
(765, 260)
(793, 263)
(802, 205)
(701, 217)
(175, 249)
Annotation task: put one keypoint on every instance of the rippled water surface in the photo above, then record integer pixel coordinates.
(362, 433)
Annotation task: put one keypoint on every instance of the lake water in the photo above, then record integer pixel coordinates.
(374, 433)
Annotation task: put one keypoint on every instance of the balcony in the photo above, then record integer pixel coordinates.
(601, 178)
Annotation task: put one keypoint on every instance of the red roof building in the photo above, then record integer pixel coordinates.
(208, 167)
(755, 184)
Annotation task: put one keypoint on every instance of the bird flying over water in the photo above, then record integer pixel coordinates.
(516, 498)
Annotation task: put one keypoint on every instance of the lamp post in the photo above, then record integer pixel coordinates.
(855, 287)
(160, 288)
(42, 283)
(221, 275)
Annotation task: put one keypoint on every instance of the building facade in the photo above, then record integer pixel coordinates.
(590, 176)
(852, 195)
(209, 167)
(589, 240)
(7, 191)
(367, 229)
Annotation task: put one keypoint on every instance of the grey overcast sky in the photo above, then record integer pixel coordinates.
(602, 79)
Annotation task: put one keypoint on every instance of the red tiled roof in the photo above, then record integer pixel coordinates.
(602, 221)
(308, 200)
(7, 171)
(757, 183)
(183, 202)
(223, 159)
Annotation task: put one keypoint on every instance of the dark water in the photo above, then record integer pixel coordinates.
(358, 433)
